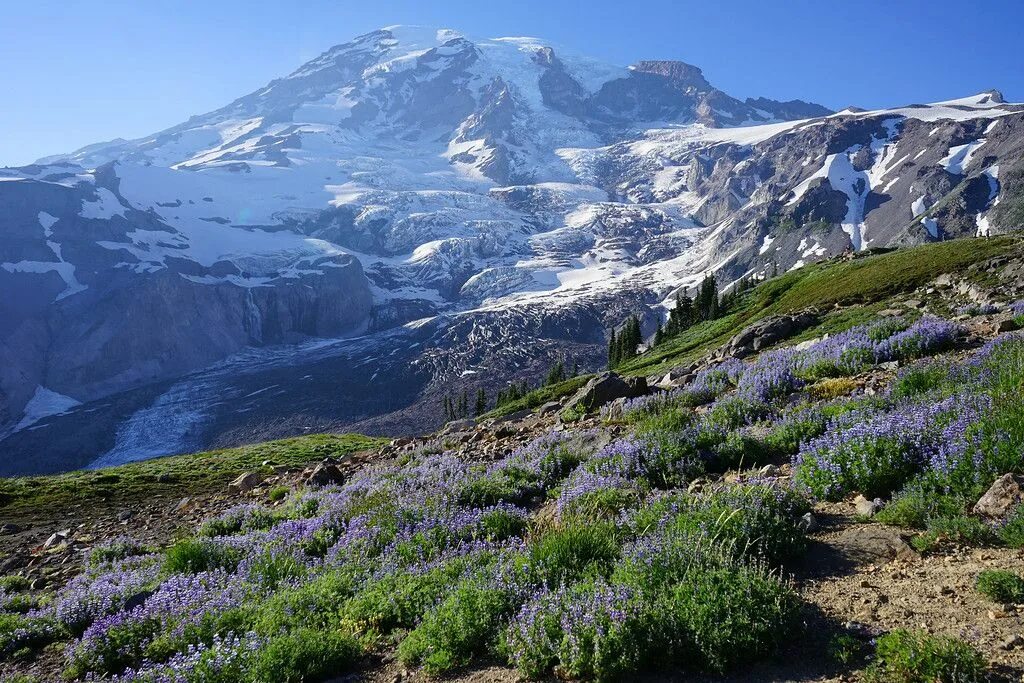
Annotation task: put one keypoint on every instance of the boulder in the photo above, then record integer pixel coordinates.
(1002, 498)
(56, 539)
(325, 474)
(765, 333)
(873, 544)
(245, 482)
(605, 388)
(676, 377)
(511, 417)
(865, 507)
(549, 407)
(615, 409)
(463, 424)
(1004, 325)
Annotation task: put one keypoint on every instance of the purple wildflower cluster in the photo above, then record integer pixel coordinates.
(569, 625)
(620, 467)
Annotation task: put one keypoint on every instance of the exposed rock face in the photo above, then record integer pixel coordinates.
(504, 201)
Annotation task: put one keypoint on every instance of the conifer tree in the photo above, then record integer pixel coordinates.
(612, 351)
(556, 374)
(481, 402)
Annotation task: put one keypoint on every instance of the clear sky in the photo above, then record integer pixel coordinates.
(73, 72)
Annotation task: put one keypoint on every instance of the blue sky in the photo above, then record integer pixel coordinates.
(75, 72)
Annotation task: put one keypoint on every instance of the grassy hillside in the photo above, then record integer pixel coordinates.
(184, 473)
(869, 280)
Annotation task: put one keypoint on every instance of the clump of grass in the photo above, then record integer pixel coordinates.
(575, 551)
(13, 583)
(193, 555)
(306, 655)
(117, 549)
(464, 624)
(953, 530)
(1012, 532)
(833, 387)
(903, 656)
(846, 649)
(278, 493)
(1002, 586)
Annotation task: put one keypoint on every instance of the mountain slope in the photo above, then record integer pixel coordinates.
(503, 200)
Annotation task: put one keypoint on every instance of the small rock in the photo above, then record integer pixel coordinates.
(1012, 643)
(1004, 325)
(56, 539)
(124, 515)
(865, 507)
(807, 523)
(768, 471)
(8, 528)
(245, 482)
(183, 504)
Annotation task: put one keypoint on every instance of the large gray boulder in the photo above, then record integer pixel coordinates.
(1002, 498)
(767, 332)
(605, 388)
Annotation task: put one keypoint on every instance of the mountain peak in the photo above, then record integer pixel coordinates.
(681, 73)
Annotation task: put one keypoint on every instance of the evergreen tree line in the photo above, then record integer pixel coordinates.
(706, 304)
(457, 407)
(623, 345)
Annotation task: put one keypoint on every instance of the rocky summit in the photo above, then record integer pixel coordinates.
(418, 211)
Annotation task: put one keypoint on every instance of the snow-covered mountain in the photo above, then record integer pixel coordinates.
(416, 208)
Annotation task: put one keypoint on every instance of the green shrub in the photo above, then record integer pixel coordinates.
(121, 647)
(1000, 585)
(194, 555)
(573, 552)
(271, 568)
(19, 631)
(590, 630)
(306, 655)
(242, 519)
(1012, 533)
(756, 520)
(731, 615)
(920, 378)
(602, 503)
(921, 500)
(464, 624)
(278, 493)
(13, 583)
(957, 530)
(874, 464)
(915, 657)
(846, 649)
(116, 550)
(316, 604)
(400, 599)
(500, 524)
